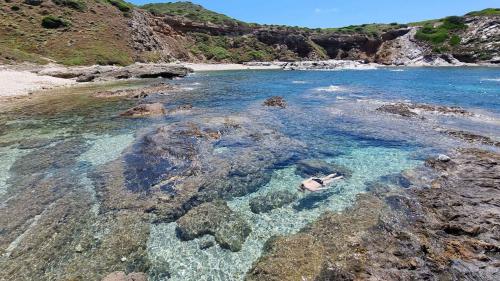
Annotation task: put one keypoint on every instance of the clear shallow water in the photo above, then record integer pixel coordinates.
(330, 114)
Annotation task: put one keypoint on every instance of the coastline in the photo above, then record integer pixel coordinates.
(26, 79)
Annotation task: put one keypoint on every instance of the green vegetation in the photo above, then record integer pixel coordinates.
(455, 40)
(191, 11)
(121, 5)
(438, 33)
(373, 29)
(54, 22)
(485, 12)
(78, 5)
(231, 49)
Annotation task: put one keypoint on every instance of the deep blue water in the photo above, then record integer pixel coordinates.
(466, 87)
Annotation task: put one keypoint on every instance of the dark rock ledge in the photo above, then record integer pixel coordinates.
(106, 73)
(448, 230)
(410, 110)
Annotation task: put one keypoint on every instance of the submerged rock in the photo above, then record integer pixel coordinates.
(271, 201)
(232, 233)
(140, 93)
(319, 168)
(201, 220)
(152, 109)
(121, 276)
(398, 109)
(472, 138)
(177, 167)
(416, 109)
(214, 218)
(276, 101)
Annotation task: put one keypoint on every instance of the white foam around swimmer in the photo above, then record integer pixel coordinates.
(186, 261)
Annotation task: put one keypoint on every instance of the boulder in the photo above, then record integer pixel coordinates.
(152, 109)
(202, 220)
(232, 233)
(215, 218)
(318, 168)
(443, 158)
(271, 201)
(275, 101)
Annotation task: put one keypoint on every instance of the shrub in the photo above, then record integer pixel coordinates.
(54, 22)
(455, 40)
(218, 53)
(121, 5)
(15, 8)
(453, 23)
(78, 5)
(432, 35)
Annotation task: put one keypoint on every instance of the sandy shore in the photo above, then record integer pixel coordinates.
(229, 66)
(19, 83)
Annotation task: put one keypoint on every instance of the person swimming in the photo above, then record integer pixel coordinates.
(318, 184)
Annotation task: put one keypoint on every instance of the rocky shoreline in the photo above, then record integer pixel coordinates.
(31, 78)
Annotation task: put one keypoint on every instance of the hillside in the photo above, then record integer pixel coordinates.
(72, 32)
(81, 32)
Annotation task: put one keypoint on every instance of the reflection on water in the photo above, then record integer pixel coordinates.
(70, 160)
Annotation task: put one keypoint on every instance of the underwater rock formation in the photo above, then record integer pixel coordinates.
(142, 110)
(416, 109)
(177, 167)
(214, 218)
(50, 226)
(271, 201)
(161, 88)
(449, 231)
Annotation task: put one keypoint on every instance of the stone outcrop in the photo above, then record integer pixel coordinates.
(142, 110)
(419, 110)
(275, 101)
(106, 73)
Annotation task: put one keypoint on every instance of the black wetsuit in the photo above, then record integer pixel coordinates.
(318, 181)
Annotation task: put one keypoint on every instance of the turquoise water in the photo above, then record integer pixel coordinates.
(330, 116)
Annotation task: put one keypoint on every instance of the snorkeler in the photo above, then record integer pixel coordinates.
(318, 184)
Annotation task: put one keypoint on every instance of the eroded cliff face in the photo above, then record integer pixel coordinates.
(174, 37)
(480, 41)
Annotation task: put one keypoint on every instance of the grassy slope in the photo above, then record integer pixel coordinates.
(191, 11)
(96, 29)
(94, 35)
